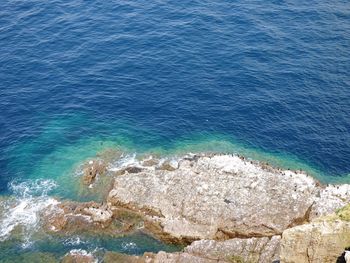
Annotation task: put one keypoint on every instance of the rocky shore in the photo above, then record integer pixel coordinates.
(222, 208)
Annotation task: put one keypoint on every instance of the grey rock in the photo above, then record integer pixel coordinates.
(262, 250)
(223, 196)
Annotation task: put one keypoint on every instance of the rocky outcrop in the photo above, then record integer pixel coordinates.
(223, 196)
(92, 169)
(329, 199)
(321, 241)
(262, 249)
(225, 208)
(92, 217)
(326, 239)
(210, 251)
(79, 256)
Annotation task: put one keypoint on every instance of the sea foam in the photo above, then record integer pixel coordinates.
(22, 211)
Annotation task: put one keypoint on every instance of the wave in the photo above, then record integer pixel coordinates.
(139, 160)
(129, 247)
(20, 214)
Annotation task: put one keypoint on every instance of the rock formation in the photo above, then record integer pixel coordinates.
(225, 208)
(222, 196)
(207, 251)
(92, 217)
(323, 240)
(92, 169)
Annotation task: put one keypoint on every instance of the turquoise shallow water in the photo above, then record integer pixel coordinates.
(269, 80)
(57, 173)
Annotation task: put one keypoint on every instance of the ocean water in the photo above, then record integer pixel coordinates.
(267, 79)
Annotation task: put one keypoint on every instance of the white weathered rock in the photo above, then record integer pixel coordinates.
(100, 214)
(209, 251)
(225, 196)
(330, 199)
(79, 256)
(262, 249)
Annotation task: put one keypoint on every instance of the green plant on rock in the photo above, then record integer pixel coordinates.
(344, 213)
(236, 259)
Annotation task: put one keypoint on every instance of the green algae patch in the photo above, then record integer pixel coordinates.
(340, 214)
(344, 213)
(33, 257)
(236, 259)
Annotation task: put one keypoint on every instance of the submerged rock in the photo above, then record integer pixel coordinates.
(129, 170)
(32, 257)
(110, 155)
(150, 162)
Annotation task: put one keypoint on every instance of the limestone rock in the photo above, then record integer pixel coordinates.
(73, 217)
(92, 169)
(150, 162)
(248, 249)
(321, 241)
(184, 257)
(169, 165)
(100, 214)
(129, 169)
(78, 256)
(218, 197)
(252, 250)
(329, 199)
(112, 257)
(237, 209)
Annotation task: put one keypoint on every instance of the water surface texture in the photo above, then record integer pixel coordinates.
(269, 79)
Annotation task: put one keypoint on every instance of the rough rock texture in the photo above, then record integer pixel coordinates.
(73, 217)
(224, 196)
(78, 256)
(92, 169)
(323, 241)
(161, 257)
(228, 208)
(262, 249)
(206, 251)
(330, 199)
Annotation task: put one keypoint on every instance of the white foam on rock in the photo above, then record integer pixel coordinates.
(129, 246)
(125, 161)
(83, 253)
(24, 210)
(73, 241)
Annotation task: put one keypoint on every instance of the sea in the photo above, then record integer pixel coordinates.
(269, 80)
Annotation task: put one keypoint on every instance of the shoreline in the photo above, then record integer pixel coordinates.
(228, 200)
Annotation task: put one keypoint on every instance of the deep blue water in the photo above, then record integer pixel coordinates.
(272, 76)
